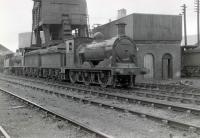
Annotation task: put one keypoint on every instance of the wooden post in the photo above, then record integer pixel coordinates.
(197, 10)
(185, 25)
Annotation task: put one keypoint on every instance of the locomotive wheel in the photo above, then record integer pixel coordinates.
(104, 79)
(72, 77)
(87, 78)
(80, 77)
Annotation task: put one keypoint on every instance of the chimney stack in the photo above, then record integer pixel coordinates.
(121, 13)
(121, 29)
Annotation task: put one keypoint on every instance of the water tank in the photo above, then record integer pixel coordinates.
(51, 11)
(58, 19)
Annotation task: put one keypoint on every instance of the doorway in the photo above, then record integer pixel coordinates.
(149, 64)
(167, 69)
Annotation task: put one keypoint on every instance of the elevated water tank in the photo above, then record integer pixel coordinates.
(58, 18)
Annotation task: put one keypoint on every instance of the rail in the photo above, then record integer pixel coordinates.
(96, 133)
(3, 133)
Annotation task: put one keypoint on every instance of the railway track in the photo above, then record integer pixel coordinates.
(3, 133)
(170, 122)
(94, 133)
(168, 87)
(130, 99)
(181, 97)
(174, 93)
(169, 96)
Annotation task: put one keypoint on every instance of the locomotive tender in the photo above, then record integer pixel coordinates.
(78, 58)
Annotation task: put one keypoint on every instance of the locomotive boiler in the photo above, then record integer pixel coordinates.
(96, 52)
(120, 49)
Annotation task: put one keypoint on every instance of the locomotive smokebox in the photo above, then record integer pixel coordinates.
(121, 29)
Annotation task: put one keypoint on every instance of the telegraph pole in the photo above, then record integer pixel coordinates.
(185, 25)
(197, 10)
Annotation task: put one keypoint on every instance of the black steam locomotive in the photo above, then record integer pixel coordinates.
(85, 60)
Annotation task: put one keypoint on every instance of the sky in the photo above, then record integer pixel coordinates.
(16, 15)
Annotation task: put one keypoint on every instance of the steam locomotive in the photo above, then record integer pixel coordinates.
(85, 60)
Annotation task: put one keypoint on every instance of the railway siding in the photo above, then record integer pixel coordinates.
(170, 122)
(134, 99)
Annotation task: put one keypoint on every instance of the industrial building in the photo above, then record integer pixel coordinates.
(190, 58)
(191, 62)
(158, 39)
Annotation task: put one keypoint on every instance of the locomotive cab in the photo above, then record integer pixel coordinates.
(70, 52)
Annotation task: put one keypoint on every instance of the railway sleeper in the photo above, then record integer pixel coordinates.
(186, 101)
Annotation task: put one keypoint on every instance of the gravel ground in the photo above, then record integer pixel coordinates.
(194, 82)
(22, 122)
(122, 125)
(183, 117)
(194, 120)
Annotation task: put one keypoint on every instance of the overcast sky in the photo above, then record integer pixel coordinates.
(16, 15)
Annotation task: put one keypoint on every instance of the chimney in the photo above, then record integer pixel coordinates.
(121, 13)
(121, 29)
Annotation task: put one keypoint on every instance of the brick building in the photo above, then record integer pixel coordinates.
(158, 39)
